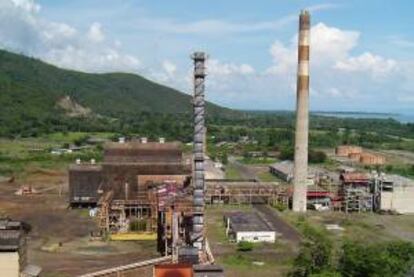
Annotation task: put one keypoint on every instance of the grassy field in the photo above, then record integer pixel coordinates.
(232, 172)
(19, 157)
(266, 176)
(257, 161)
(363, 227)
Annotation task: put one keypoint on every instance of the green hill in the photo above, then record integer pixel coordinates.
(30, 90)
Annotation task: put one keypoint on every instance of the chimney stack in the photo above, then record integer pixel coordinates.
(300, 173)
(198, 151)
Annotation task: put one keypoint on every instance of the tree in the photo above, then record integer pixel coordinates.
(385, 259)
(315, 253)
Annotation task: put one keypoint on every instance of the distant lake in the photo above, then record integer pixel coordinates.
(403, 117)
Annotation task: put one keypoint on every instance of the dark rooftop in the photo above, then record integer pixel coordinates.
(137, 152)
(10, 240)
(8, 224)
(247, 222)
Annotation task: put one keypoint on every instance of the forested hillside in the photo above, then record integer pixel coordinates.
(30, 91)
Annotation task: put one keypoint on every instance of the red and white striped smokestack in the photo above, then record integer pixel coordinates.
(300, 173)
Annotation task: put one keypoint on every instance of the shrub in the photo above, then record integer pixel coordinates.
(317, 156)
(245, 246)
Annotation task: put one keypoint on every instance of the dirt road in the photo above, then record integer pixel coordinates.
(277, 223)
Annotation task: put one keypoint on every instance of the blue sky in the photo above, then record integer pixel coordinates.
(362, 52)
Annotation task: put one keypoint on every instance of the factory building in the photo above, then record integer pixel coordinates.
(139, 187)
(285, 171)
(241, 226)
(84, 183)
(13, 251)
(397, 194)
(122, 164)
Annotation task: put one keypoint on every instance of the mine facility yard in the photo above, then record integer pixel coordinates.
(60, 238)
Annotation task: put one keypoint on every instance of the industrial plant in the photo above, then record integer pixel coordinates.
(153, 190)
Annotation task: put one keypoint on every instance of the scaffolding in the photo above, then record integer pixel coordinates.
(115, 216)
(357, 200)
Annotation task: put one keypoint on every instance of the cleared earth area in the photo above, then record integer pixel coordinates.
(59, 241)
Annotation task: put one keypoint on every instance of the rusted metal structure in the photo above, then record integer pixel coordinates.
(123, 162)
(302, 116)
(131, 186)
(355, 192)
(245, 192)
(118, 172)
(84, 182)
(198, 151)
(372, 159)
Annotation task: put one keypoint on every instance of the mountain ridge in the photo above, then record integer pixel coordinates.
(38, 86)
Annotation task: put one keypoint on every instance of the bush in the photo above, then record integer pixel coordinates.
(315, 254)
(245, 246)
(317, 156)
(287, 153)
(280, 207)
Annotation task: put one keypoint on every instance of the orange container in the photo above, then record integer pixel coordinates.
(173, 270)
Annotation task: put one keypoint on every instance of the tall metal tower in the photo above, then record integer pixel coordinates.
(198, 151)
(300, 173)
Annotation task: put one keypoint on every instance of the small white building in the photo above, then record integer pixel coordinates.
(248, 226)
(397, 194)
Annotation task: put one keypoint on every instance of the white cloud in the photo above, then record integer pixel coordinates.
(341, 75)
(209, 26)
(24, 30)
(328, 44)
(169, 67)
(322, 7)
(335, 71)
(217, 27)
(401, 41)
(28, 5)
(367, 62)
(217, 68)
(95, 33)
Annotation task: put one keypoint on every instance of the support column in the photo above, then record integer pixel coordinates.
(198, 150)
